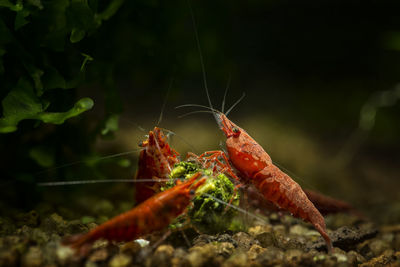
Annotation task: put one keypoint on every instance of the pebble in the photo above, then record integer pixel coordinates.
(254, 251)
(259, 229)
(53, 224)
(378, 246)
(33, 258)
(355, 258)
(9, 258)
(377, 261)
(239, 259)
(244, 241)
(340, 257)
(224, 249)
(120, 260)
(99, 255)
(271, 256)
(267, 239)
(293, 255)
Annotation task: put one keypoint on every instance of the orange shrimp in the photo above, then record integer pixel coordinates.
(151, 215)
(156, 160)
(255, 166)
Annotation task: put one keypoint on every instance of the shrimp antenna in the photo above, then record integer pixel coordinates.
(133, 123)
(237, 102)
(226, 91)
(165, 101)
(79, 182)
(195, 112)
(180, 137)
(95, 160)
(197, 105)
(201, 60)
(235, 207)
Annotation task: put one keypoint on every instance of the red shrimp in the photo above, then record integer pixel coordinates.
(156, 161)
(255, 166)
(154, 214)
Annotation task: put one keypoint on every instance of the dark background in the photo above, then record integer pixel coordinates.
(310, 72)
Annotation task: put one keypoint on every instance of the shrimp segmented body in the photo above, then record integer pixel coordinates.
(255, 166)
(156, 161)
(154, 214)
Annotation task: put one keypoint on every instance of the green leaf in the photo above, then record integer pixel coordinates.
(109, 11)
(43, 156)
(36, 75)
(17, 7)
(82, 105)
(52, 79)
(111, 124)
(77, 35)
(20, 19)
(22, 103)
(36, 3)
(5, 34)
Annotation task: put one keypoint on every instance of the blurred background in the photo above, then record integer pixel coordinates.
(321, 84)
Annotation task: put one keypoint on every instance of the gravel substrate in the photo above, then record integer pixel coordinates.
(279, 241)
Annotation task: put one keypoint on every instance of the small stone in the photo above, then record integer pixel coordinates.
(162, 256)
(378, 261)
(224, 249)
(196, 258)
(100, 244)
(63, 253)
(244, 241)
(267, 239)
(226, 238)
(75, 227)
(29, 219)
(290, 242)
(202, 240)
(166, 249)
(39, 236)
(99, 255)
(340, 257)
(279, 230)
(270, 257)
(179, 258)
(355, 258)
(258, 229)
(130, 247)
(320, 258)
(254, 251)
(298, 230)
(33, 258)
(236, 260)
(377, 246)
(53, 224)
(120, 260)
(8, 258)
(293, 255)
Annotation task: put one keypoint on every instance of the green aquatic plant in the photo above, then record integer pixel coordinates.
(207, 214)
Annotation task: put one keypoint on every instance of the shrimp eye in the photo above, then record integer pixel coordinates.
(192, 192)
(235, 130)
(140, 143)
